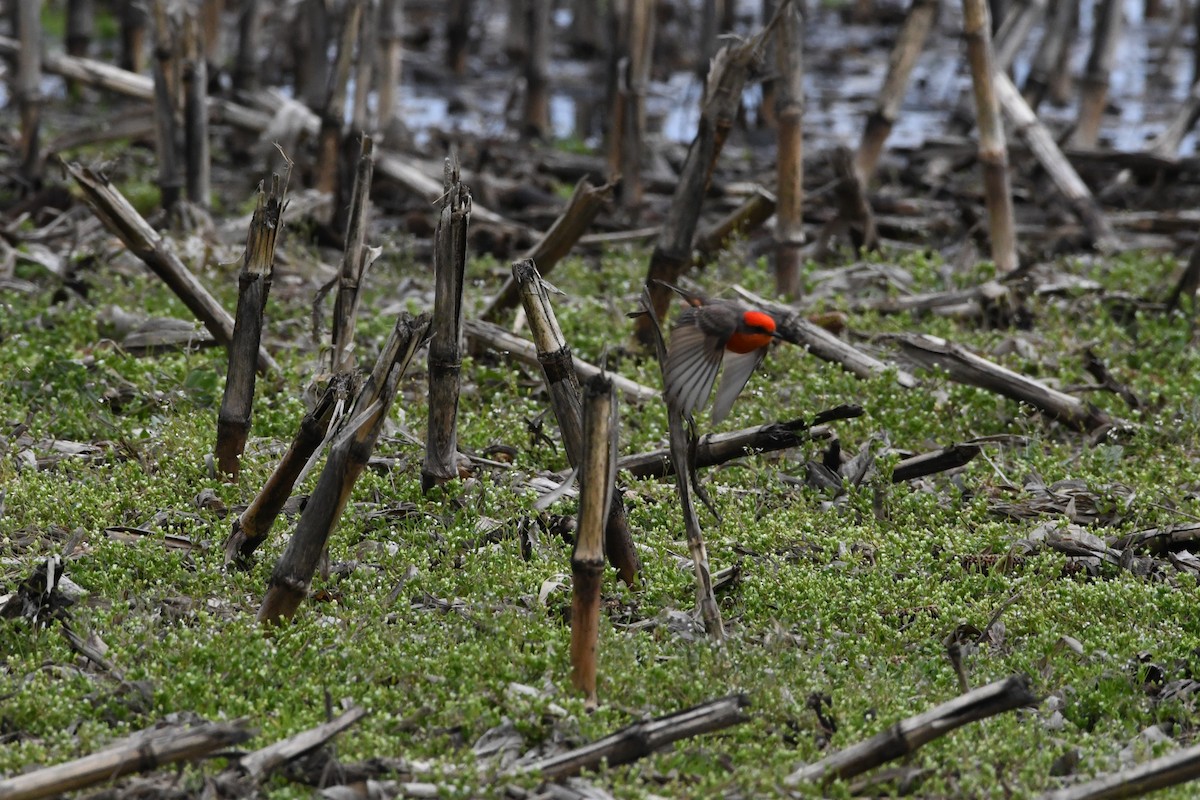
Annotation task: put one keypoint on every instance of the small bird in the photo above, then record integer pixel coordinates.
(707, 334)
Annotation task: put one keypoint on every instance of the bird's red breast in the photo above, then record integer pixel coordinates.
(756, 331)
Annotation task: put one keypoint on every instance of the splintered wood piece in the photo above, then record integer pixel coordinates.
(911, 734)
(643, 738)
(120, 217)
(794, 328)
(1172, 769)
(964, 366)
(445, 358)
(993, 150)
(789, 172)
(356, 259)
(254, 284)
(562, 382)
(597, 474)
(581, 210)
(145, 750)
(909, 43)
(269, 758)
(1041, 143)
(682, 436)
(347, 459)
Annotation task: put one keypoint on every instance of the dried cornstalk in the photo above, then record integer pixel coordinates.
(1094, 85)
(1166, 144)
(854, 218)
(166, 106)
(445, 360)
(581, 210)
(1014, 30)
(391, 44)
(754, 211)
(537, 70)
(1172, 769)
(329, 140)
(683, 451)
(909, 44)
(210, 20)
(562, 382)
(597, 475)
(789, 108)
(309, 54)
(993, 151)
(347, 459)
(356, 258)
(134, 18)
(630, 65)
(111, 207)
(28, 89)
(194, 76)
(1056, 40)
(251, 529)
(364, 66)
(673, 251)
(245, 64)
(254, 284)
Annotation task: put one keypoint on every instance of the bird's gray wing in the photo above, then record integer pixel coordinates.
(693, 359)
(738, 368)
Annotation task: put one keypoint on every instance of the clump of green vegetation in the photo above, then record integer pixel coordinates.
(435, 620)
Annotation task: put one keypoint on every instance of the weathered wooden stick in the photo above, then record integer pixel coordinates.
(1172, 769)
(993, 151)
(267, 759)
(364, 67)
(111, 207)
(526, 352)
(789, 171)
(1055, 42)
(245, 65)
(1188, 283)
(29, 89)
(355, 261)
(145, 750)
(643, 738)
(943, 460)
(719, 448)
(537, 70)
(1166, 144)
(1041, 143)
(794, 328)
(134, 19)
(1094, 85)
(1014, 30)
(597, 475)
(347, 459)
(672, 253)
(581, 210)
(251, 529)
(194, 76)
(630, 65)
(683, 451)
(391, 45)
(329, 139)
(254, 284)
(854, 213)
(911, 734)
(166, 106)
(909, 43)
(963, 366)
(445, 360)
(554, 355)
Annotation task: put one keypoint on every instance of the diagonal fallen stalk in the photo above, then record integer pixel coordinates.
(911, 734)
(1169, 770)
(262, 761)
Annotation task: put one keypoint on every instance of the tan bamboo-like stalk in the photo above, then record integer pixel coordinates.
(458, 35)
(1094, 85)
(210, 21)
(254, 284)
(537, 71)
(909, 44)
(445, 358)
(347, 459)
(1015, 29)
(993, 151)
(632, 56)
(197, 163)
(596, 478)
(1056, 41)
(29, 91)
(333, 113)
(1062, 78)
(166, 106)
(354, 263)
(365, 66)
(391, 25)
(562, 383)
(712, 13)
(245, 65)
(758, 207)
(789, 191)
(134, 19)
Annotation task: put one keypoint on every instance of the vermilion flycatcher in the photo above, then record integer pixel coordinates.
(707, 334)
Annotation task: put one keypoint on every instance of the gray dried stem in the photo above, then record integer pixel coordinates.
(909, 44)
(28, 89)
(1051, 54)
(537, 70)
(789, 186)
(751, 214)
(254, 284)
(355, 261)
(245, 64)
(1172, 769)
(597, 474)
(631, 61)
(445, 357)
(194, 76)
(120, 217)
(562, 382)
(1094, 85)
(391, 45)
(167, 106)
(329, 140)
(347, 459)
(993, 151)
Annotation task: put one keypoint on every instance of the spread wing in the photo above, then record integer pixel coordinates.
(693, 359)
(738, 367)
